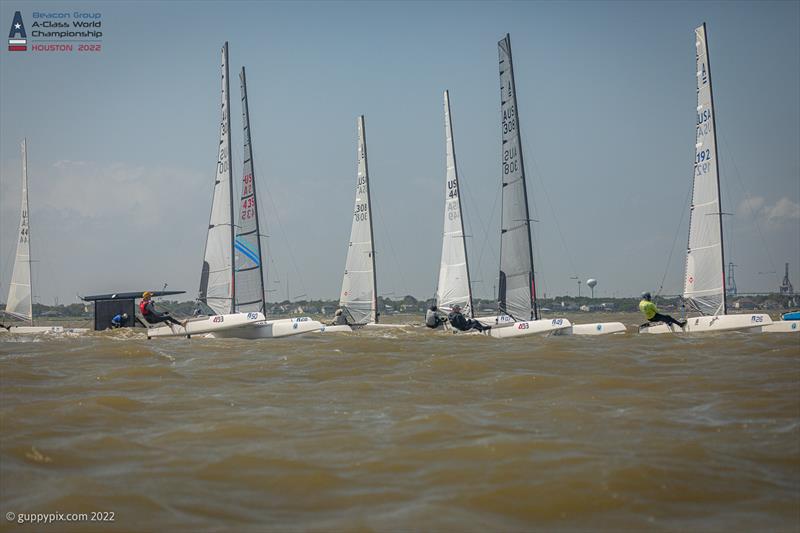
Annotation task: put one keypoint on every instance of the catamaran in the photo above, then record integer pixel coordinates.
(19, 303)
(232, 280)
(358, 299)
(704, 281)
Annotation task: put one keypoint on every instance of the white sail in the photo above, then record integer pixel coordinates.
(704, 284)
(216, 279)
(19, 303)
(359, 291)
(517, 292)
(454, 284)
(249, 267)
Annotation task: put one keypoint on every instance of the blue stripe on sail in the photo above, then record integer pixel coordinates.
(239, 245)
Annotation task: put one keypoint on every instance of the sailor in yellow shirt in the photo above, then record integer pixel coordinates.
(650, 311)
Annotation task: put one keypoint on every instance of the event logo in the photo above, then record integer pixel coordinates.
(17, 38)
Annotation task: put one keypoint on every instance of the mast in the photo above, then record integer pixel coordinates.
(19, 303)
(517, 284)
(716, 165)
(453, 286)
(230, 180)
(362, 128)
(217, 279)
(359, 296)
(704, 282)
(249, 268)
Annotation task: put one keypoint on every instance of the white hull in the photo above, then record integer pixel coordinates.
(44, 330)
(598, 328)
(531, 327)
(495, 321)
(356, 327)
(269, 329)
(782, 326)
(206, 324)
(704, 324)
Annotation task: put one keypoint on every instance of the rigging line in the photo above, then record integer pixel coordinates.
(283, 233)
(475, 208)
(540, 176)
(485, 242)
(385, 231)
(729, 154)
(675, 239)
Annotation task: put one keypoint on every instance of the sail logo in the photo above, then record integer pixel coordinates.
(17, 38)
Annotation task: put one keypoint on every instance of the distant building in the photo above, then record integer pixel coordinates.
(786, 286)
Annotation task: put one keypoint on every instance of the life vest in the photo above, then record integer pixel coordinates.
(648, 308)
(143, 307)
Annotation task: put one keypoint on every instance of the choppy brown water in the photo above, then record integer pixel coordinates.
(404, 430)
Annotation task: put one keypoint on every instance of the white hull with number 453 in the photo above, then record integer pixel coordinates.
(530, 327)
(206, 324)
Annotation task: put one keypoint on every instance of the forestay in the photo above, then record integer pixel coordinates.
(19, 302)
(454, 282)
(704, 284)
(249, 269)
(517, 292)
(216, 279)
(359, 291)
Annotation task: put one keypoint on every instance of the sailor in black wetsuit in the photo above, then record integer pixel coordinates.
(458, 321)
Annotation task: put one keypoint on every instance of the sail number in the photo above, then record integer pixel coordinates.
(247, 188)
(509, 121)
(453, 211)
(361, 212)
(703, 155)
(510, 161)
(452, 189)
(248, 208)
(702, 162)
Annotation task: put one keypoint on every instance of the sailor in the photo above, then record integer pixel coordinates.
(119, 320)
(650, 311)
(432, 318)
(152, 316)
(339, 318)
(458, 321)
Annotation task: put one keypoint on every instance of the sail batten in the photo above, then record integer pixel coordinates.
(217, 283)
(358, 297)
(453, 287)
(517, 288)
(19, 303)
(704, 282)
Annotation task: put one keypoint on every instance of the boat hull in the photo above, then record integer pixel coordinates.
(269, 329)
(782, 326)
(206, 324)
(530, 327)
(44, 330)
(597, 328)
(709, 324)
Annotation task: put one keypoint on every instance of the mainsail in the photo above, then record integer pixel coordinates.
(517, 289)
(454, 286)
(249, 269)
(216, 279)
(19, 303)
(359, 290)
(704, 285)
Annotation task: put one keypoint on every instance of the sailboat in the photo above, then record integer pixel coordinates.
(232, 280)
(517, 285)
(358, 299)
(454, 287)
(19, 303)
(704, 281)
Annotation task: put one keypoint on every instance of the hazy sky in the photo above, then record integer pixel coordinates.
(122, 144)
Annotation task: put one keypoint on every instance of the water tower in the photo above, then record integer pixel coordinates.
(591, 283)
